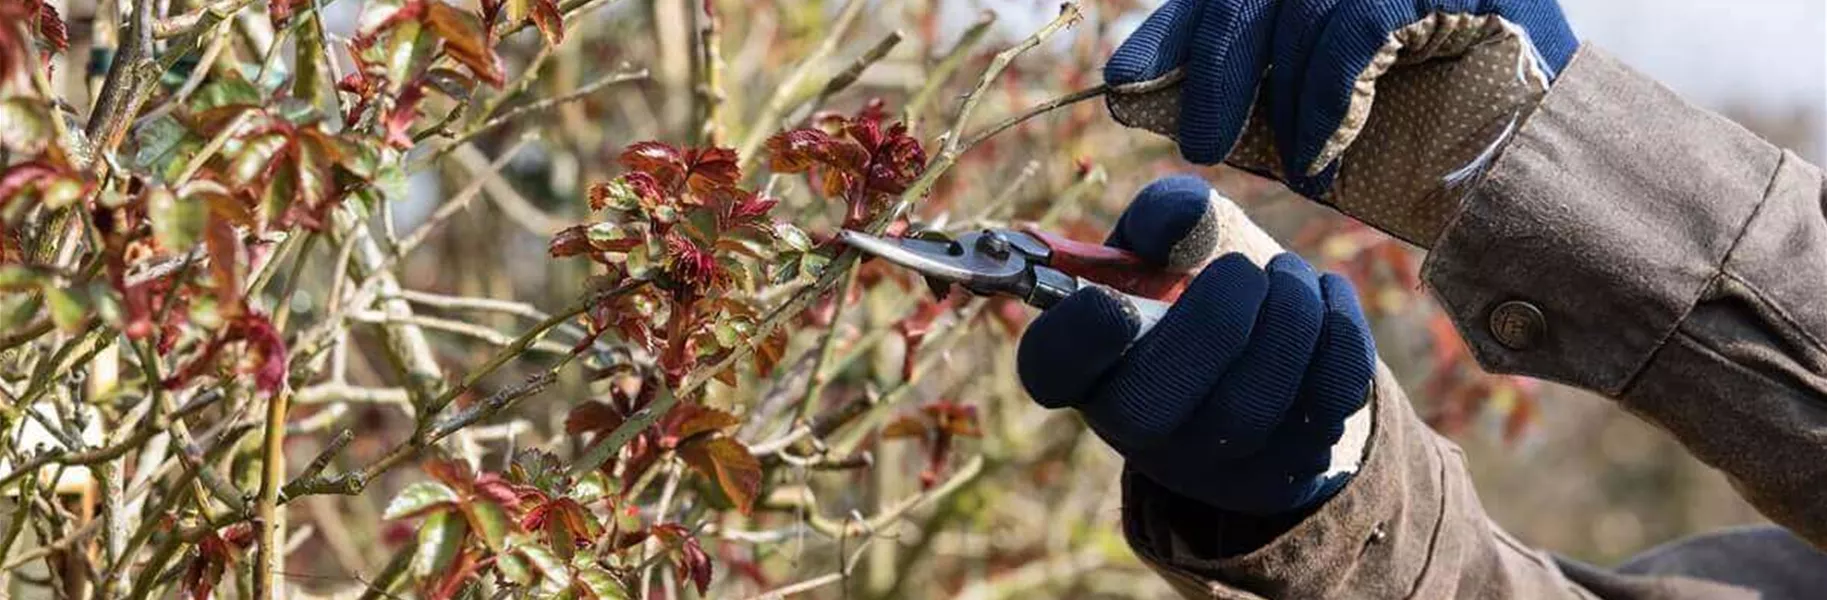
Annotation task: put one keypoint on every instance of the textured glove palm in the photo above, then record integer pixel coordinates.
(1285, 88)
(1237, 397)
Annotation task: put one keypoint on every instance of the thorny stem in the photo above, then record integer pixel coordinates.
(709, 92)
(267, 516)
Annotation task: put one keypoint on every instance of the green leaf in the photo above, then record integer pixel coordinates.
(593, 486)
(229, 90)
(25, 126)
(67, 310)
(703, 227)
(519, 10)
(515, 569)
(638, 262)
(544, 561)
(254, 157)
(106, 304)
(417, 498)
(792, 237)
(177, 223)
(14, 277)
(599, 582)
(313, 74)
(404, 42)
(157, 144)
(490, 521)
(440, 539)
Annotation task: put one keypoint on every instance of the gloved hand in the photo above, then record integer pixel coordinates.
(1285, 88)
(1238, 396)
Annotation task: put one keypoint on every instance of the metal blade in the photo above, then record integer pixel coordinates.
(935, 259)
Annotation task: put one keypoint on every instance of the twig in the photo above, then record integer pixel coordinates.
(450, 208)
(177, 25)
(218, 41)
(1037, 110)
(787, 93)
(128, 85)
(519, 85)
(1069, 15)
(209, 150)
(708, 93)
(470, 303)
(458, 327)
(390, 574)
(338, 392)
(515, 206)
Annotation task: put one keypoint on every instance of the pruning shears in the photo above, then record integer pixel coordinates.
(1037, 267)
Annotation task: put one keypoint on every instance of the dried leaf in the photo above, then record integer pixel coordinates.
(227, 261)
(688, 420)
(725, 460)
(593, 417)
(465, 41)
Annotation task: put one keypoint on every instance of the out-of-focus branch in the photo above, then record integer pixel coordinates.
(471, 330)
(787, 94)
(849, 76)
(941, 73)
(965, 474)
(537, 107)
(337, 392)
(197, 18)
(515, 206)
(271, 532)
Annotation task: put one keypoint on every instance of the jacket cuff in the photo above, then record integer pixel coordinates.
(1597, 192)
(1370, 522)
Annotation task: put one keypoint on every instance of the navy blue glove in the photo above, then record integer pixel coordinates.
(1316, 64)
(1237, 397)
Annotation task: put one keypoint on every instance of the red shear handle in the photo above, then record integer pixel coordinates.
(1117, 268)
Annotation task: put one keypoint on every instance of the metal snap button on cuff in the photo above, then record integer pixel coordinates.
(1518, 325)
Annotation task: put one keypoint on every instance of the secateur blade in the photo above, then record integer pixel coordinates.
(945, 261)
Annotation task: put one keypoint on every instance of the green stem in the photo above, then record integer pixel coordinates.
(815, 383)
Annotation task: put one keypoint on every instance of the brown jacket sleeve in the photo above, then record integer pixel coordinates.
(1678, 264)
(1627, 243)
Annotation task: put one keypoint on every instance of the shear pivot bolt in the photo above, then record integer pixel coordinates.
(993, 244)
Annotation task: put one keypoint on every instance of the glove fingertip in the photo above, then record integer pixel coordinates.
(1166, 221)
(1069, 347)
